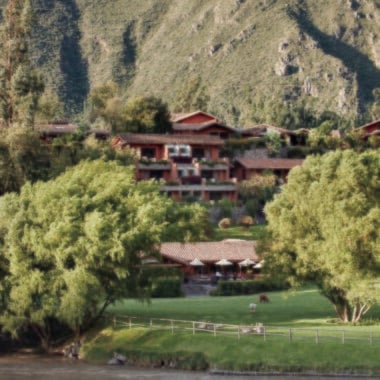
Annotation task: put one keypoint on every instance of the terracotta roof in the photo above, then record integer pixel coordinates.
(148, 138)
(176, 117)
(210, 252)
(375, 123)
(200, 126)
(269, 163)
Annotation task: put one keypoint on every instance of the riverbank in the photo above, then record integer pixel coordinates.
(313, 342)
(53, 368)
(227, 355)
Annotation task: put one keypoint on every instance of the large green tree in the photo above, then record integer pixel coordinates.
(325, 228)
(72, 246)
(20, 85)
(147, 115)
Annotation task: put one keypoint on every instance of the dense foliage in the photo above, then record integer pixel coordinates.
(20, 85)
(325, 228)
(72, 246)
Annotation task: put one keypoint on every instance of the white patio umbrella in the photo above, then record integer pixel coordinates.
(196, 263)
(223, 263)
(259, 265)
(246, 263)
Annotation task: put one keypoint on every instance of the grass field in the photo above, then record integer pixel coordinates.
(256, 232)
(304, 309)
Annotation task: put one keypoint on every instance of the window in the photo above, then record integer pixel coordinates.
(198, 153)
(148, 152)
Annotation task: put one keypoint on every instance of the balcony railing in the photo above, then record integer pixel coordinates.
(191, 180)
(181, 159)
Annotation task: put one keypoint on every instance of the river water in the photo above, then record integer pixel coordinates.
(42, 368)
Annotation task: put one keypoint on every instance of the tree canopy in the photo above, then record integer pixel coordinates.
(325, 227)
(137, 115)
(72, 246)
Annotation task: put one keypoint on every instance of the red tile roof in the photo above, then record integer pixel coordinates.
(177, 117)
(149, 138)
(269, 163)
(200, 126)
(375, 123)
(210, 252)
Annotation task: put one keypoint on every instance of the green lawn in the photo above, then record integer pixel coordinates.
(301, 309)
(256, 232)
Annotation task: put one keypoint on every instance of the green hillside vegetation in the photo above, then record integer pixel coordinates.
(237, 59)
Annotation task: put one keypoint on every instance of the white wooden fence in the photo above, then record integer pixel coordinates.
(257, 331)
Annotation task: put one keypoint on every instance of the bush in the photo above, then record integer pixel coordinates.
(246, 221)
(236, 288)
(225, 223)
(167, 287)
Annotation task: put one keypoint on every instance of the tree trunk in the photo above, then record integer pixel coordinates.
(341, 305)
(359, 311)
(42, 335)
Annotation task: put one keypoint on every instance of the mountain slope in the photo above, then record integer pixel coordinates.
(238, 52)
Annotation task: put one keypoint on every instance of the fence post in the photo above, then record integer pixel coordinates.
(151, 323)
(130, 323)
(171, 321)
(317, 336)
(214, 329)
(290, 335)
(265, 334)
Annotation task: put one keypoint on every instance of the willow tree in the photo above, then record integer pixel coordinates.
(20, 85)
(72, 246)
(325, 228)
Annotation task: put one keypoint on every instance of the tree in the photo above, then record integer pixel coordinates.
(256, 191)
(73, 246)
(20, 85)
(147, 115)
(9, 181)
(374, 107)
(325, 228)
(50, 108)
(106, 104)
(273, 142)
(137, 115)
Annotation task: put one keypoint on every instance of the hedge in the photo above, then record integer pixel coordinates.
(167, 287)
(235, 288)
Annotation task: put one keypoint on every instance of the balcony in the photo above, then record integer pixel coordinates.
(200, 184)
(181, 159)
(191, 180)
(152, 164)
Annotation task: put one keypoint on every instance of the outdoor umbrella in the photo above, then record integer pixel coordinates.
(259, 265)
(196, 263)
(246, 263)
(223, 263)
